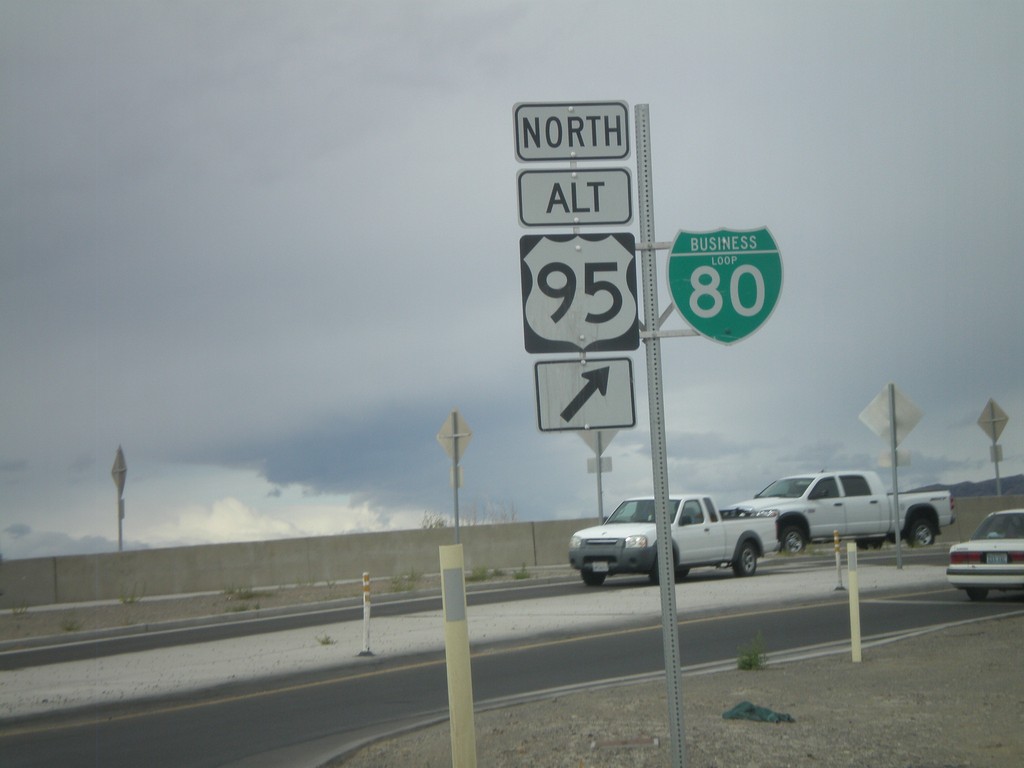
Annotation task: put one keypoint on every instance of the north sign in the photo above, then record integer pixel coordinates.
(725, 283)
(585, 395)
(579, 292)
(575, 197)
(584, 130)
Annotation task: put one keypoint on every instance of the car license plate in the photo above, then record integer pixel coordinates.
(996, 558)
(599, 566)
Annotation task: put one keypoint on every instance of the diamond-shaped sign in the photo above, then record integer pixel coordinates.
(455, 435)
(993, 419)
(876, 415)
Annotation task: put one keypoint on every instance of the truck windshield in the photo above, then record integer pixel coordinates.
(637, 511)
(786, 488)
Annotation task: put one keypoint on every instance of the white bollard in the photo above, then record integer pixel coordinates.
(366, 616)
(851, 559)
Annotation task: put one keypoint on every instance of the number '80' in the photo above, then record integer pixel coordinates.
(706, 300)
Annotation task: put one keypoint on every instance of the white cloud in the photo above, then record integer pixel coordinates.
(226, 520)
(229, 519)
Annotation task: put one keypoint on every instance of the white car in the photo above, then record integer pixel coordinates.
(993, 558)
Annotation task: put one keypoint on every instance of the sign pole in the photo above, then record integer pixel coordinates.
(454, 437)
(895, 476)
(455, 471)
(659, 453)
(992, 421)
(995, 445)
(600, 491)
(118, 472)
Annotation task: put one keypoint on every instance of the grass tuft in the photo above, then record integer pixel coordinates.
(752, 656)
(480, 573)
(405, 582)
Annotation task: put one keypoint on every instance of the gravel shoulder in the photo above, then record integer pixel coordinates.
(140, 611)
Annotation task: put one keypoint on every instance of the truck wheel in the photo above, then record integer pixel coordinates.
(745, 563)
(977, 594)
(592, 579)
(921, 533)
(792, 539)
(654, 575)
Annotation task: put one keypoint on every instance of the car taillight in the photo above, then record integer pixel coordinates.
(960, 558)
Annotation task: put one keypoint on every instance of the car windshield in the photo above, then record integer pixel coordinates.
(1010, 526)
(786, 488)
(636, 511)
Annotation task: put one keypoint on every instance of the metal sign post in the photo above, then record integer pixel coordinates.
(992, 421)
(454, 437)
(895, 476)
(119, 472)
(659, 452)
(580, 295)
(892, 415)
(598, 440)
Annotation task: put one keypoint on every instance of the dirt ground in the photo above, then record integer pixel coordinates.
(948, 699)
(139, 610)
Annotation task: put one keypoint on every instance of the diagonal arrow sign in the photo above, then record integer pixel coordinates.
(559, 382)
(597, 381)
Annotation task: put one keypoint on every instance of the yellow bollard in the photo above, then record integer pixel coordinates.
(456, 650)
(839, 567)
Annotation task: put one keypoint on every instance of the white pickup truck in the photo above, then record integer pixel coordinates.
(812, 507)
(627, 541)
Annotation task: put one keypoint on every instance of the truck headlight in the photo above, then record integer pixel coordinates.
(636, 542)
(575, 542)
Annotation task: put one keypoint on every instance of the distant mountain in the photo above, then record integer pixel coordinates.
(1011, 486)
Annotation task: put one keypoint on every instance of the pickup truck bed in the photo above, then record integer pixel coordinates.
(814, 506)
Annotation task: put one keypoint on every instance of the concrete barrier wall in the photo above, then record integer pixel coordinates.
(971, 510)
(219, 567)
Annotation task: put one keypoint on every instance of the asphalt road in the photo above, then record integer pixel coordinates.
(256, 724)
(248, 625)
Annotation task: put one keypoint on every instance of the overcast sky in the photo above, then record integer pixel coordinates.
(267, 247)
